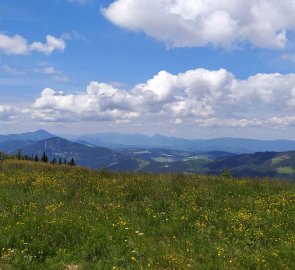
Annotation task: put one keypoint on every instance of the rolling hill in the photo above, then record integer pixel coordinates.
(261, 164)
(271, 164)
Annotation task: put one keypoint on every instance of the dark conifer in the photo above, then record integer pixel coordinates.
(72, 162)
(19, 154)
(54, 161)
(44, 158)
(36, 158)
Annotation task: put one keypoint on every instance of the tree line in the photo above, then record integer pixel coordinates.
(44, 158)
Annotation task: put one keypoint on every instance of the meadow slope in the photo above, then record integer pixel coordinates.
(60, 217)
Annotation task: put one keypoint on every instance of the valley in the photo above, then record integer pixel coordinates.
(149, 157)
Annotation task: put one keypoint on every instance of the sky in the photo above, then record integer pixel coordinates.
(184, 68)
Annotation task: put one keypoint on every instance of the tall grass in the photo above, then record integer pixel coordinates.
(59, 217)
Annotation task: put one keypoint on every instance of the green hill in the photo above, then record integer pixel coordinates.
(271, 164)
(61, 217)
(264, 164)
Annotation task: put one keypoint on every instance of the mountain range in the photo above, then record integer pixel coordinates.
(234, 145)
(127, 152)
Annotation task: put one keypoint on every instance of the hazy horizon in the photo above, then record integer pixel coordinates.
(78, 135)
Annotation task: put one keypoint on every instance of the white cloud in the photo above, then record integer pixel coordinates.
(232, 123)
(48, 70)
(282, 121)
(100, 102)
(198, 97)
(7, 113)
(52, 44)
(13, 44)
(18, 45)
(190, 23)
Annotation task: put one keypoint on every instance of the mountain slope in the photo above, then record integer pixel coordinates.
(34, 136)
(263, 164)
(271, 164)
(92, 157)
(12, 146)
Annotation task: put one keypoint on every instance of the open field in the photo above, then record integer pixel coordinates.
(59, 217)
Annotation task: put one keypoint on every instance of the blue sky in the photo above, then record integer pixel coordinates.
(120, 51)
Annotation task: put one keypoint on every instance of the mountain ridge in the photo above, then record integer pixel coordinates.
(207, 158)
(227, 144)
(39, 134)
(120, 140)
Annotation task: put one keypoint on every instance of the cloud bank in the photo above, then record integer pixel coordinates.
(193, 23)
(18, 45)
(197, 97)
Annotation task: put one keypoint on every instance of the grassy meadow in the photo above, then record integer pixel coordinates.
(60, 217)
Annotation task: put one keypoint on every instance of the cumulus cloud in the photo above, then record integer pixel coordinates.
(100, 102)
(18, 45)
(190, 23)
(52, 44)
(199, 97)
(13, 44)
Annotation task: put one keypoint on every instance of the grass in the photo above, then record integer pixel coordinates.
(142, 163)
(58, 217)
(286, 170)
(279, 159)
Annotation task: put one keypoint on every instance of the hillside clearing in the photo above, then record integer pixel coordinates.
(58, 217)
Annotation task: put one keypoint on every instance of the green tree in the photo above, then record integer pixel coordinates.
(36, 158)
(53, 161)
(44, 158)
(226, 174)
(59, 161)
(72, 162)
(65, 161)
(19, 154)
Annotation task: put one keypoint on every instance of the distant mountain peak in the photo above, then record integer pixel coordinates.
(41, 131)
(37, 135)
